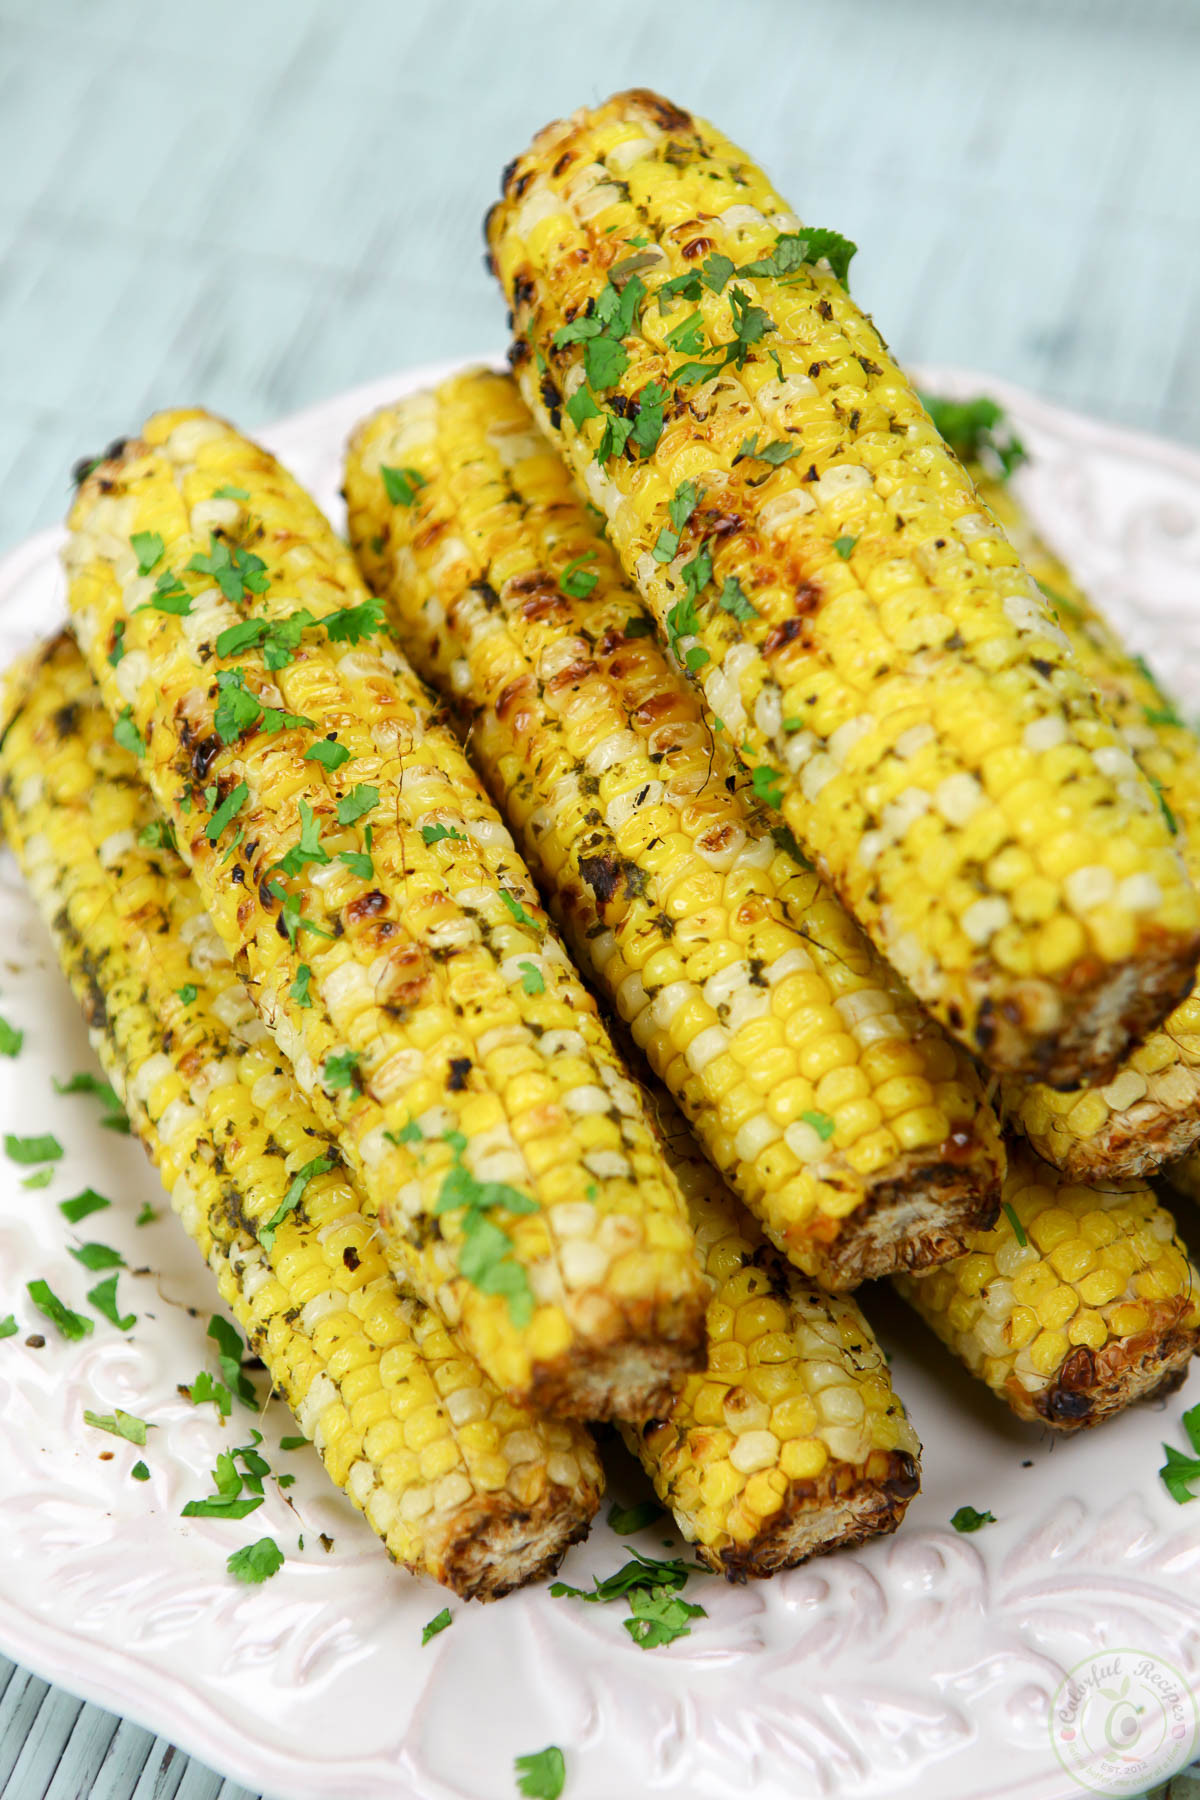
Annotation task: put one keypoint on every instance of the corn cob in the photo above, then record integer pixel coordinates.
(356, 871)
(459, 1482)
(792, 1440)
(852, 1128)
(821, 564)
(1149, 1112)
(1078, 1302)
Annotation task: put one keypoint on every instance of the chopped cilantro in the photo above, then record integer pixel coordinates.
(1162, 715)
(239, 710)
(532, 979)
(358, 801)
(627, 1519)
(255, 1563)
(120, 1424)
(613, 438)
(10, 1039)
(651, 1587)
(127, 733)
(581, 406)
(683, 503)
(86, 1083)
(307, 848)
(1180, 1471)
(666, 544)
(604, 361)
(229, 1348)
(732, 599)
(89, 1201)
(299, 988)
(157, 834)
(768, 785)
(541, 1774)
(45, 1148)
(648, 426)
(438, 1623)
(688, 336)
(207, 1389)
(409, 1133)
(104, 1298)
(279, 639)
(577, 581)
(188, 992)
(1018, 1230)
(715, 271)
(967, 1519)
(843, 546)
(400, 485)
(977, 431)
(148, 547)
(485, 1255)
(518, 912)
(118, 644)
(352, 624)
(773, 453)
(795, 248)
(71, 1325)
(434, 834)
(293, 1443)
(237, 572)
(228, 492)
(227, 811)
(169, 596)
(638, 628)
(341, 1071)
(147, 1215)
(8, 1326)
(42, 1178)
(228, 1502)
(821, 1123)
(140, 1472)
(330, 754)
(319, 1165)
(97, 1256)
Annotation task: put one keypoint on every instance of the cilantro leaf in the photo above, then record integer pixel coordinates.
(147, 1215)
(227, 811)
(541, 1774)
(768, 785)
(148, 547)
(157, 834)
(513, 905)
(89, 1201)
(732, 599)
(279, 639)
(120, 1424)
(341, 1071)
(651, 1587)
(237, 572)
(255, 1563)
(206, 1388)
(118, 644)
(41, 1179)
(665, 546)
(230, 1348)
(532, 979)
(967, 1519)
(604, 361)
(188, 992)
(293, 1443)
(104, 1298)
(8, 1326)
(307, 848)
(97, 1256)
(627, 1519)
(127, 734)
(977, 431)
(844, 546)
(291, 1200)
(299, 988)
(228, 492)
(45, 1148)
(715, 271)
(359, 862)
(581, 406)
(438, 1623)
(140, 1472)
(688, 336)
(613, 438)
(358, 801)
(577, 581)
(169, 596)
(660, 1618)
(648, 426)
(401, 485)
(684, 502)
(434, 834)
(329, 753)
(821, 1123)
(71, 1325)
(352, 624)
(1018, 1230)
(10, 1039)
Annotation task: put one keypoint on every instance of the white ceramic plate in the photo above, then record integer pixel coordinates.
(923, 1664)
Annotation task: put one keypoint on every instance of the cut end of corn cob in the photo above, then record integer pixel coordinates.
(458, 1481)
(848, 1123)
(891, 671)
(1149, 1112)
(792, 1440)
(1078, 1302)
(352, 863)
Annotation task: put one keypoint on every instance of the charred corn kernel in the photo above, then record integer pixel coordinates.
(1148, 1111)
(792, 1439)
(1065, 1321)
(872, 693)
(415, 954)
(369, 1370)
(752, 994)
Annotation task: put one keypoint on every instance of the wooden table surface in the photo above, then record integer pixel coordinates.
(251, 205)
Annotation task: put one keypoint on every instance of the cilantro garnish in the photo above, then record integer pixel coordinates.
(118, 644)
(1163, 805)
(1179, 1471)
(227, 811)
(613, 438)
(358, 801)
(147, 1215)
(1162, 715)
(1018, 1230)
(10, 1039)
(95, 1257)
(577, 581)
(148, 547)
(518, 912)
(140, 1472)
(361, 862)
(795, 248)
(120, 1424)
(967, 1519)
(774, 453)
(169, 596)
(293, 919)
(715, 271)
(977, 431)
(188, 992)
(291, 1200)
(238, 709)
(665, 546)
(104, 1298)
(652, 1589)
(688, 336)
(434, 834)
(341, 1071)
(293, 1443)
(410, 1133)
(683, 503)
(307, 848)
(157, 834)
(638, 628)
(648, 426)
(237, 572)
(206, 1388)
(625, 1520)
(71, 1325)
(86, 1083)
(8, 1326)
(255, 1563)
(581, 406)
(541, 1774)
(41, 1179)
(438, 1623)
(329, 753)
(821, 1123)
(279, 639)
(127, 734)
(532, 979)
(485, 1256)
(45, 1148)
(352, 624)
(732, 599)
(229, 1348)
(844, 546)
(400, 485)
(228, 492)
(299, 988)
(229, 1501)
(89, 1201)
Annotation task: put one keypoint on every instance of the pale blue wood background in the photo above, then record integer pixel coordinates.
(253, 203)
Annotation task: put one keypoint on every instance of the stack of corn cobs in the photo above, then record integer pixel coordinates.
(775, 774)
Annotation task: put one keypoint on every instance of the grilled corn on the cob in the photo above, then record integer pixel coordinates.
(459, 1482)
(1149, 1112)
(822, 565)
(1078, 1302)
(355, 869)
(793, 1439)
(844, 1118)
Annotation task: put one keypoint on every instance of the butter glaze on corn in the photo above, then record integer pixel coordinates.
(459, 1482)
(1149, 1113)
(916, 696)
(792, 1440)
(1098, 1308)
(421, 975)
(752, 994)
